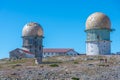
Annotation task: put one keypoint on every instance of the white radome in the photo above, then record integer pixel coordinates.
(98, 20)
(32, 29)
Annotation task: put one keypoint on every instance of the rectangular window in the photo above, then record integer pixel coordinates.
(30, 41)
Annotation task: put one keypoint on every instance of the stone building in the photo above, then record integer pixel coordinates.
(20, 53)
(49, 52)
(32, 36)
(98, 28)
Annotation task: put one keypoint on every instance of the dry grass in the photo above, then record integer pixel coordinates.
(62, 66)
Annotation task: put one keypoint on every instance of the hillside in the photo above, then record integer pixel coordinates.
(62, 68)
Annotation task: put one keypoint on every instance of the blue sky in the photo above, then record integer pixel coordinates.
(63, 22)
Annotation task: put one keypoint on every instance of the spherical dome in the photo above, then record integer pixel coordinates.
(32, 29)
(98, 20)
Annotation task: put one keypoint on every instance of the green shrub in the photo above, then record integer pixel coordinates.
(76, 62)
(74, 78)
(1, 66)
(103, 65)
(16, 65)
(54, 65)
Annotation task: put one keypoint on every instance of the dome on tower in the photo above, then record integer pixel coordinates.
(98, 20)
(32, 29)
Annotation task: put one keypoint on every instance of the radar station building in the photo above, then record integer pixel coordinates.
(32, 35)
(98, 28)
(32, 47)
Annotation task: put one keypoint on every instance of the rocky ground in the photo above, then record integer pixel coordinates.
(62, 68)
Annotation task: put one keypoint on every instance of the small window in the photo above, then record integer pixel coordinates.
(40, 47)
(98, 37)
(30, 41)
(48, 53)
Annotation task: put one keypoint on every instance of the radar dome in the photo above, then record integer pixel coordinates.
(98, 20)
(32, 29)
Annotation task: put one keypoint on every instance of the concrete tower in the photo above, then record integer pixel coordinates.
(32, 35)
(98, 28)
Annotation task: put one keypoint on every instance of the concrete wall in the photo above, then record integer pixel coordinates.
(98, 48)
(69, 53)
(98, 42)
(95, 35)
(34, 45)
(72, 53)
